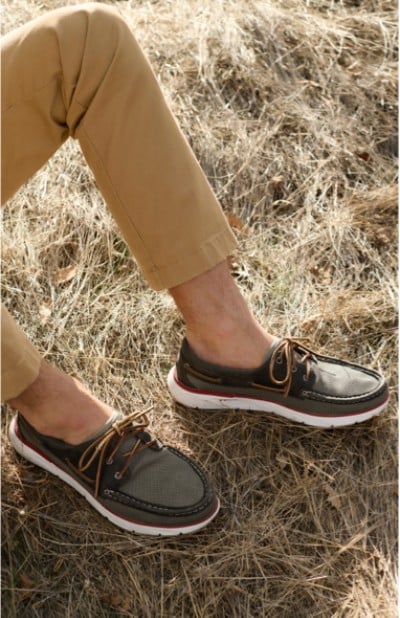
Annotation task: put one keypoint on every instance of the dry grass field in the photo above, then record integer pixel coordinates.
(290, 106)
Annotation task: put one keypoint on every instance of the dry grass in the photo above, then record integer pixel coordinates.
(291, 108)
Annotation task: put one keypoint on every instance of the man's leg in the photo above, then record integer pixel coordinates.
(73, 81)
(81, 74)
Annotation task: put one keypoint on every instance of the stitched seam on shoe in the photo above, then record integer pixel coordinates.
(200, 375)
(149, 507)
(342, 400)
(266, 388)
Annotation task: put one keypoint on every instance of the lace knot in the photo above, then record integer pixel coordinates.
(130, 426)
(288, 351)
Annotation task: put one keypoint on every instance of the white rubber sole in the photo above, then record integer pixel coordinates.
(36, 458)
(206, 401)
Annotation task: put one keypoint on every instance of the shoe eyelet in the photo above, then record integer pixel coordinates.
(294, 369)
(109, 462)
(305, 379)
(118, 476)
(279, 361)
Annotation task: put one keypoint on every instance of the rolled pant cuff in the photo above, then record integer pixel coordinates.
(16, 380)
(211, 252)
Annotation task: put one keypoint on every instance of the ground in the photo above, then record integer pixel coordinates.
(290, 107)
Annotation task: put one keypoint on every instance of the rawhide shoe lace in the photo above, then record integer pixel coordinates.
(129, 476)
(293, 382)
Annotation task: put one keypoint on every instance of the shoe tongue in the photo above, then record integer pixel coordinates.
(280, 366)
(266, 362)
(295, 348)
(115, 417)
(271, 350)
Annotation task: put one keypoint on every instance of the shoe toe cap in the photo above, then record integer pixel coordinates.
(344, 380)
(166, 478)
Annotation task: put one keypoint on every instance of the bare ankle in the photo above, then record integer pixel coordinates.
(244, 346)
(36, 392)
(220, 325)
(58, 405)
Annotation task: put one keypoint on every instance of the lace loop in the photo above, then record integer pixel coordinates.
(286, 351)
(129, 426)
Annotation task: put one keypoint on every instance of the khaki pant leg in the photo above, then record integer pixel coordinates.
(20, 360)
(79, 72)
